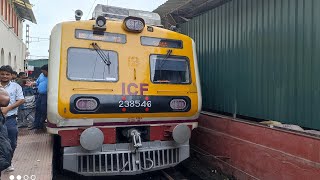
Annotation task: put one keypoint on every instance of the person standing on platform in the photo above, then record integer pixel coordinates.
(5, 147)
(22, 79)
(14, 76)
(41, 104)
(10, 112)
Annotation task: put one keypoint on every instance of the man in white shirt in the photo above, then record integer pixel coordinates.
(16, 99)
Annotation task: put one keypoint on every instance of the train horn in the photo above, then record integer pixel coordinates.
(78, 14)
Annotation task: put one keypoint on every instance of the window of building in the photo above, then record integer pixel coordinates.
(10, 15)
(8, 12)
(88, 65)
(2, 57)
(5, 7)
(15, 63)
(9, 59)
(14, 22)
(17, 25)
(1, 7)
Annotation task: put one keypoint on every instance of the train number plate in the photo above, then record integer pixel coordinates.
(135, 104)
(129, 104)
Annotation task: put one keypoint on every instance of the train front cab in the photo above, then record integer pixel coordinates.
(122, 102)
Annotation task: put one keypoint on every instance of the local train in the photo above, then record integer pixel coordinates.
(123, 93)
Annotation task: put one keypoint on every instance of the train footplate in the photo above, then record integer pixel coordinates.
(124, 158)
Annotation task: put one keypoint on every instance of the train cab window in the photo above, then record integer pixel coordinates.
(171, 70)
(88, 65)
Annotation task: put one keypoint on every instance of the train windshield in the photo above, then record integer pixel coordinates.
(171, 70)
(87, 65)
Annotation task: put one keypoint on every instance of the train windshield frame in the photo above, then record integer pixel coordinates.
(85, 64)
(170, 70)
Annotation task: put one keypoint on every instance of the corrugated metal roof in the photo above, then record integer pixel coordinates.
(175, 12)
(24, 10)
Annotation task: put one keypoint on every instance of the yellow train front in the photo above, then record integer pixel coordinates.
(123, 95)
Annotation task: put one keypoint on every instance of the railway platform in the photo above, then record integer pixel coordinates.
(33, 157)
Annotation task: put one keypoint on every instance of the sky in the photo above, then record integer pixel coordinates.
(48, 13)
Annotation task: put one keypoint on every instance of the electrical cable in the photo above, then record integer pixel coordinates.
(91, 8)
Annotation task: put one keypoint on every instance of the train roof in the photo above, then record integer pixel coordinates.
(117, 13)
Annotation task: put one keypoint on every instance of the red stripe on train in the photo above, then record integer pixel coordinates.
(50, 125)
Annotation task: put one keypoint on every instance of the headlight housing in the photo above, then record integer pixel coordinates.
(133, 24)
(178, 104)
(100, 24)
(86, 104)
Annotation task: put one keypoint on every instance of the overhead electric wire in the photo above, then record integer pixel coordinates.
(91, 8)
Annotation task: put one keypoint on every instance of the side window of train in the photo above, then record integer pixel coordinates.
(173, 70)
(88, 65)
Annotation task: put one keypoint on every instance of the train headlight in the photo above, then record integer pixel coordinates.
(181, 133)
(91, 139)
(101, 21)
(86, 104)
(133, 24)
(100, 24)
(178, 104)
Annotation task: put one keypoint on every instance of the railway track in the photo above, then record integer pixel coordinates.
(158, 175)
(167, 174)
(189, 170)
(176, 176)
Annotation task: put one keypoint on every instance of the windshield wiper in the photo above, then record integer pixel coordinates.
(104, 57)
(165, 58)
(164, 61)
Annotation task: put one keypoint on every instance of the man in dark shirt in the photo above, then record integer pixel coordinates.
(14, 76)
(23, 111)
(22, 79)
(4, 101)
(41, 106)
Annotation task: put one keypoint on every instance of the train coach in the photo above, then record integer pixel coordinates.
(123, 93)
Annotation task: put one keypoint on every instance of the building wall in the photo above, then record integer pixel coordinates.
(261, 59)
(12, 48)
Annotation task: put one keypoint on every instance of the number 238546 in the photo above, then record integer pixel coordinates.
(135, 104)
